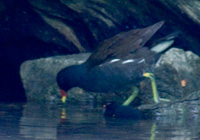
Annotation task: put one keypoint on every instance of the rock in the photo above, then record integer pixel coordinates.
(177, 73)
(79, 26)
(39, 76)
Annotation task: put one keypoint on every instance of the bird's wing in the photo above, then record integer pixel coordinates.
(122, 44)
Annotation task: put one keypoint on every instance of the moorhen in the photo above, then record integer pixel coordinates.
(126, 112)
(118, 62)
(118, 111)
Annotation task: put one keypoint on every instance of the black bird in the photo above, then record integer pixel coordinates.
(118, 62)
(119, 111)
(127, 112)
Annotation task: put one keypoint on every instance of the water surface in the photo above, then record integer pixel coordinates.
(86, 122)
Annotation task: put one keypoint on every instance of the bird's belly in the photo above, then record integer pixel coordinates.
(104, 86)
(113, 76)
(109, 82)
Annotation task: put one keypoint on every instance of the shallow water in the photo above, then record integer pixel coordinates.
(85, 122)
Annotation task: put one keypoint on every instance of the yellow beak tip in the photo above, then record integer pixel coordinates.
(63, 99)
(145, 74)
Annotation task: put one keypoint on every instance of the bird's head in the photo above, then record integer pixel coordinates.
(68, 78)
(63, 78)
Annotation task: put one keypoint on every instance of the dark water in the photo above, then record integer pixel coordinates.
(46, 122)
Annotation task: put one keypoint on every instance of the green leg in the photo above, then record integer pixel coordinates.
(132, 97)
(153, 132)
(156, 96)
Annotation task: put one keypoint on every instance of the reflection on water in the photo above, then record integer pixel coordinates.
(83, 122)
(39, 121)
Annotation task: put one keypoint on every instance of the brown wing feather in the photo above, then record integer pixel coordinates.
(122, 44)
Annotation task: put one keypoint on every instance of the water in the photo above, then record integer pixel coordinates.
(85, 122)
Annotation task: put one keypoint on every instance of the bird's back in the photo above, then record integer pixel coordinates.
(123, 45)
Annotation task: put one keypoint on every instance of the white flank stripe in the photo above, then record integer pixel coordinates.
(143, 60)
(128, 61)
(114, 60)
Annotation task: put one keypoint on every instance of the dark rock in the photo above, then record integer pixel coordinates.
(80, 26)
(181, 70)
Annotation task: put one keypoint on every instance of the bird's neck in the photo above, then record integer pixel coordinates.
(79, 71)
(71, 76)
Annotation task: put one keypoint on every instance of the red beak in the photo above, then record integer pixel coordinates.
(63, 95)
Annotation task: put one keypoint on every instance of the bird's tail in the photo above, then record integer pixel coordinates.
(165, 42)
